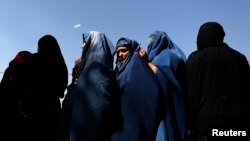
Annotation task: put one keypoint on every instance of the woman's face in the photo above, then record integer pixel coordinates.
(122, 53)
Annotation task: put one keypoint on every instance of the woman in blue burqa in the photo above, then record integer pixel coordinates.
(139, 94)
(170, 70)
(95, 98)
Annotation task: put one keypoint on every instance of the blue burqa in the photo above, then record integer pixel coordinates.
(170, 62)
(139, 97)
(96, 95)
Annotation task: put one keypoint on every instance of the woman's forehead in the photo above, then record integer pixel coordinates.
(121, 48)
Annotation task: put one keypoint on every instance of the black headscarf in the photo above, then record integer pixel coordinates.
(211, 34)
(49, 48)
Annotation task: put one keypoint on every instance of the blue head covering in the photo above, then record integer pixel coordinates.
(132, 45)
(157, 42)
(96, 92)
(125, 42)
(98, 49)
(170, 62)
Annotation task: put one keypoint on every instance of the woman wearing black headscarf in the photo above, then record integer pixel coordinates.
(49, 81)
(13, 87)
(139, 94)
(218, 85)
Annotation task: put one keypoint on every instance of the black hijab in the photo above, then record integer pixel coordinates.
(218, 83)
(211, 34)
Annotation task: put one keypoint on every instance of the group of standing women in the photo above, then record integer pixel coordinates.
(30, 92)
(157, 95)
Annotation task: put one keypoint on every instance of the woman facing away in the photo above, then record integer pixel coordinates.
(15, 118)
(95, 98)
(218, 86)
(48, 83)
(169, 63)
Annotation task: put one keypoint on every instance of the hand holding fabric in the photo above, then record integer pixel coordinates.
(144, 55)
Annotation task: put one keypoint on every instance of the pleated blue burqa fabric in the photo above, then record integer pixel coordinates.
(95, 97)
(139, 96)
(170, 62)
